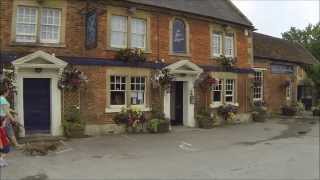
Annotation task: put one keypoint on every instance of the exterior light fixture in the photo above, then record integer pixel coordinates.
(38, 70)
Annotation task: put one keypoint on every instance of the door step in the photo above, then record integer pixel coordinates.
(41, 138)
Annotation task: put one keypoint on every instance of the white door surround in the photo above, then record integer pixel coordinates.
(40, 65)
(188, 73)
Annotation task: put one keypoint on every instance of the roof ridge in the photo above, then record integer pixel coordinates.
(239, 11)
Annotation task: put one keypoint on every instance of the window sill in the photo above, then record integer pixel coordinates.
(116, 110)
(118, 49)
(180, 54)
(37, 44)
(217, 105)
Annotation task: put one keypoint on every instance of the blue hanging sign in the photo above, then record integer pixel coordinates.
(179, 37)
(91, 30)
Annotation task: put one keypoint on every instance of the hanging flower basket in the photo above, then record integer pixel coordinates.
(227, 62)
(286, 83)
(206, 81)
(72, 79)
(162, 78)
(7, 80)
(131, 55)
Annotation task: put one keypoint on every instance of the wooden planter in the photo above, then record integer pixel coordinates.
(163, 127)
(76, 132)
(289, 111)
(316, 112)
(259, 117)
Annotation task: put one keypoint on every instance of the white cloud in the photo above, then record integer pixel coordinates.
(276, 16)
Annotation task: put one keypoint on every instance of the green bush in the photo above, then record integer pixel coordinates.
(205, 120)
(72, 124)
(158, 125)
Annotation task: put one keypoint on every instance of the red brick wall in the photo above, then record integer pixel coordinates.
(93, 98)
(199, 37)
(274, 91)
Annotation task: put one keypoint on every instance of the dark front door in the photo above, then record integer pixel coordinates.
(177, 97)
(36, 103)
(305, 96)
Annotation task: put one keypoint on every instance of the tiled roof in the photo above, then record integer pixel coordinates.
(219, 9)
(273, 48)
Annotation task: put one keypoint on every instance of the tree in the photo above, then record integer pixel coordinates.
(308, 37)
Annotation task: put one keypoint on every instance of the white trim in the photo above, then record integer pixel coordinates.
(51, 71)
(188, 78)
(116, 110)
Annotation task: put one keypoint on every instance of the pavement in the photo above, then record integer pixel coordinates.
(276, 149)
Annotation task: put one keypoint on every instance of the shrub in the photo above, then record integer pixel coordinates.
(205, 120)
(259, 113)
(158, 125)
(72, 124)
(228, 111)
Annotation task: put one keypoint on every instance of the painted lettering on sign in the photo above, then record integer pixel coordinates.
(179, 36)
(91, 30)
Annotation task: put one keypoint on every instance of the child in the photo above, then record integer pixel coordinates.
(4, 142)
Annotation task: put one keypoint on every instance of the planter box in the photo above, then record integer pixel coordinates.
(163, 127)
(258, 117)
(316, 112)
(76, 133)
(289, 111)
(206, 124)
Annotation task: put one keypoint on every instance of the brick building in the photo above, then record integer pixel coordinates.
(41, 37)
(280, 65)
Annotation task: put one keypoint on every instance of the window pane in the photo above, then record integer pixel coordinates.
(117, 98)
(216, 44)
(26, 22)
(119, 31)
(229, 50)
(138, 33)
(50, 25)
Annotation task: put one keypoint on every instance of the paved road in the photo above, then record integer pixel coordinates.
(277, 149)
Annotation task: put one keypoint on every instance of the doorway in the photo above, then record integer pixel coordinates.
(176, 103)
(36, 103)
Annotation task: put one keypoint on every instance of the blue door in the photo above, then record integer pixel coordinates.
(36, 103)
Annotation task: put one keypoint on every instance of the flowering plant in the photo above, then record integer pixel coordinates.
(206, 81)
(7, 80)
(286, 83)
(227, 61)
(228, 111)
(131, 55)
(131, 117)
(162, 78)
(72, 79)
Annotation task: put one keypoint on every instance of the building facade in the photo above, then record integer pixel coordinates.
(280, 65)
(40, 38)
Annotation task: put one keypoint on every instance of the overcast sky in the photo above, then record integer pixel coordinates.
(276, 16)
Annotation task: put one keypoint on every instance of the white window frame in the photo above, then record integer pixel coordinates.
(218, 88)
(289, 92)
(223, 94)
(232, 85)
(231, 48)
(17, 22)
(144, 90)
(144, 34)
(54, 41)
(258, 75)
(124, 32)
(215, 36)
(125, 91)
(38, 26)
